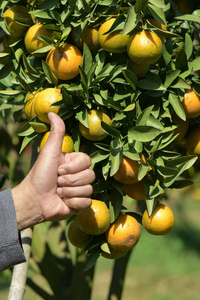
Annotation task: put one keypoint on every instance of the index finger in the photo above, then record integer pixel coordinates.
(74, 163)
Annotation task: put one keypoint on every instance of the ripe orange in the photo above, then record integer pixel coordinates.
(135, 190)
(191, 104)
(160, 222)
(128, 170)
(32, 42)
(124, 233)
(89, 35)
(29, 106)
(95, 219)
(67, 146)
(76, 236)
(139, 70)
(43, 103)
(114, 254)
(182, 128)
(29, 110)
(95, 131)
(17, 18)
(144, 47)
(112, 42)
(65, 61)
(193, 142)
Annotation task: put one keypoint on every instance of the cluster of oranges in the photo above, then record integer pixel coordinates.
(142, 48)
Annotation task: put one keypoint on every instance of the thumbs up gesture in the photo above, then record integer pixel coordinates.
(57, 186)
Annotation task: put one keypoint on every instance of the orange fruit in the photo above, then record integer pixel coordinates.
(95, 131)
(139, 70)
(32, 42)
(65, 61)
(135, 190)
(160, 222)
(67, 145)
(114, 254)
(43, 103)
(193, 142)
(144, 47)
(29, 110)
(76, 236)
(124, 233)
(89, 35)
(18, 20)
(112, 42)
(128, 170)
(191, 104)
(182, 128)
(95, 219)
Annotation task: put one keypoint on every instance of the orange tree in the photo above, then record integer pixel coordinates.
(122, 72)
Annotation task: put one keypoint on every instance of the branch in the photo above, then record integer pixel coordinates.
(18, 283)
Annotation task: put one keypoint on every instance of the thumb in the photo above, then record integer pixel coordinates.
(56, 135)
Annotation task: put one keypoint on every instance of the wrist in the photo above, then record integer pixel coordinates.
(27, 214)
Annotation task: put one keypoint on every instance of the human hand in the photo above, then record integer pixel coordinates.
(38, 198)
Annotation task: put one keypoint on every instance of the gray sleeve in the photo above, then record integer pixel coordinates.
(11, 252)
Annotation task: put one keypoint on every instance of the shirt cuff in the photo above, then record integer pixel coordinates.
(11, 251)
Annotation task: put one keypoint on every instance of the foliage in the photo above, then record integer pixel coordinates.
(140, 109)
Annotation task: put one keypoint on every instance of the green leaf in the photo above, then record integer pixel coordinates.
(23, 83)
(143, 117)
(153, 83)
(180, 84)
(6, 70)
(49, 74)
(158, 3)
(188, 46)
(110, 130)
(195, 64)
(177, 106)
(43, 49)
(182, 164)
(190, 18)
(10, 92)
(28, 66)
(115, 204)
(181, 61)
(116, 152)
(180, 184)
(87, 59)
(131, 21)
(130, 78)
(157, 13)
(144, 168)
(170, 77)
(151, 204)
(143, 133)
(27, 140)
(94, 255)
(98, 156)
